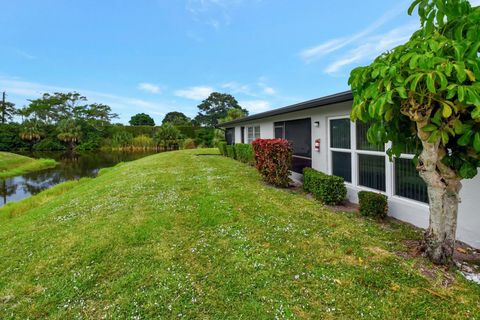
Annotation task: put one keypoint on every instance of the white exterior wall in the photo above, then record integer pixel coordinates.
(404, 209)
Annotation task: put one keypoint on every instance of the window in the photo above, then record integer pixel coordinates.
(340, 133)
(362, 141)
(366, 165)
(342, 165)
(371, 171)
(230, 135)
(341, 154)
(408, 183)
(253, 133)
(242, 134)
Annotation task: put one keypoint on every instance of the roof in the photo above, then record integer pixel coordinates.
(315, 103)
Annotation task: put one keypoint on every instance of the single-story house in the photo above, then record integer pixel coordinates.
(324, 138)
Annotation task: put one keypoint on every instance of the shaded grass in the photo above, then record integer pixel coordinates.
(12, 164)
(175, 235)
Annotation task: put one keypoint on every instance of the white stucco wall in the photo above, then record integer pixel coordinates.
(411, 211)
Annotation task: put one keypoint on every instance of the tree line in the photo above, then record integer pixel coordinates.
(68, 121)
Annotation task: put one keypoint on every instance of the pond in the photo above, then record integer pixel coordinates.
(70, 166)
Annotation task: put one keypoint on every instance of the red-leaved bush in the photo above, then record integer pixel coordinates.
(273, 158)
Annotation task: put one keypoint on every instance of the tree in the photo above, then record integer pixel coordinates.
(176, 118)
(7, 110)
(70, 132)
(426, 92)
(31, 131)
(168, 136)
(141, 119)
(215, 107)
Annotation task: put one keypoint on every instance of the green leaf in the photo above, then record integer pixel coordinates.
(430, 127)
(461, 93)
(446, 110)
(413, 62)
(473, 97)
(444, 138)
(476, 113)
(431, 83)
(457, 125)
(412, 6)
(413, 85)
(476, 142)
(402, 92)
(443, 80)
(468, 171)
(461, 74)
(465, 139)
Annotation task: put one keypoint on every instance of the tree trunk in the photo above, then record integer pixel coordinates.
(443, 194)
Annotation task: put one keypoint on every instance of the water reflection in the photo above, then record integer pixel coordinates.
(71, 166)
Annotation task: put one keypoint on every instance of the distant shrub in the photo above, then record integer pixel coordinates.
(189, 144)
(373, 204)
(49, 144)
(231, 152)
(122, 139)
(326, 188)
(244, 153)
(222, 147)
(143, 142)
(273, 158)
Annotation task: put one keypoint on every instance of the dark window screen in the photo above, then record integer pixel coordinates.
(408, 183)
(230, 135)
(242, 133)
(371, 171)
(340, 133)
(299, 133)
(342, 165)
(362, 141)
(279, 132)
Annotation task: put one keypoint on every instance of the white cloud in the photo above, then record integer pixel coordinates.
(333, 45)
(149, 87)
(255, 106)
(372, 47)
(195, 93)
(269, 90)
(236, 87)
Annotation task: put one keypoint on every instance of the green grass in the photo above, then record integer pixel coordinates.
(176, 235)
(12, 164)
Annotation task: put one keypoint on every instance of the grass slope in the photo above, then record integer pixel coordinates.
(176, 235)
(12, 164)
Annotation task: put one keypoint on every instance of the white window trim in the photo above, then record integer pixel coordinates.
(254, 133)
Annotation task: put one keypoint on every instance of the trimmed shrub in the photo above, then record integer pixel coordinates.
(373, 204)
(326, 188)
(189, 144)
(273, 158)
(244, 153)
(222, 147)
(231, 152)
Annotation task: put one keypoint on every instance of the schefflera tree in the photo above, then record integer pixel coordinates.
(426, 93)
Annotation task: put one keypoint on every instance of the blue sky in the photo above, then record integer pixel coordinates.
(157, 56)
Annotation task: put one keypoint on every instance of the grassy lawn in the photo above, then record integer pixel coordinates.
(12, 164)
(176, 235)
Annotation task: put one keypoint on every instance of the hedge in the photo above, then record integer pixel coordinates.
(373, 204)
(273, 158)
(244, 153)
(222, 148)
(326, 188)
(231, 151)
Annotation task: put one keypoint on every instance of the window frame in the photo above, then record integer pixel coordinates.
(389, 165)
(256, 134)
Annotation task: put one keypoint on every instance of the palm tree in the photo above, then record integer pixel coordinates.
(31, 130)
(70, 132)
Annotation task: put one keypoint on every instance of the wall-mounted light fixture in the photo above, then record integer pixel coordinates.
(316, 124)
